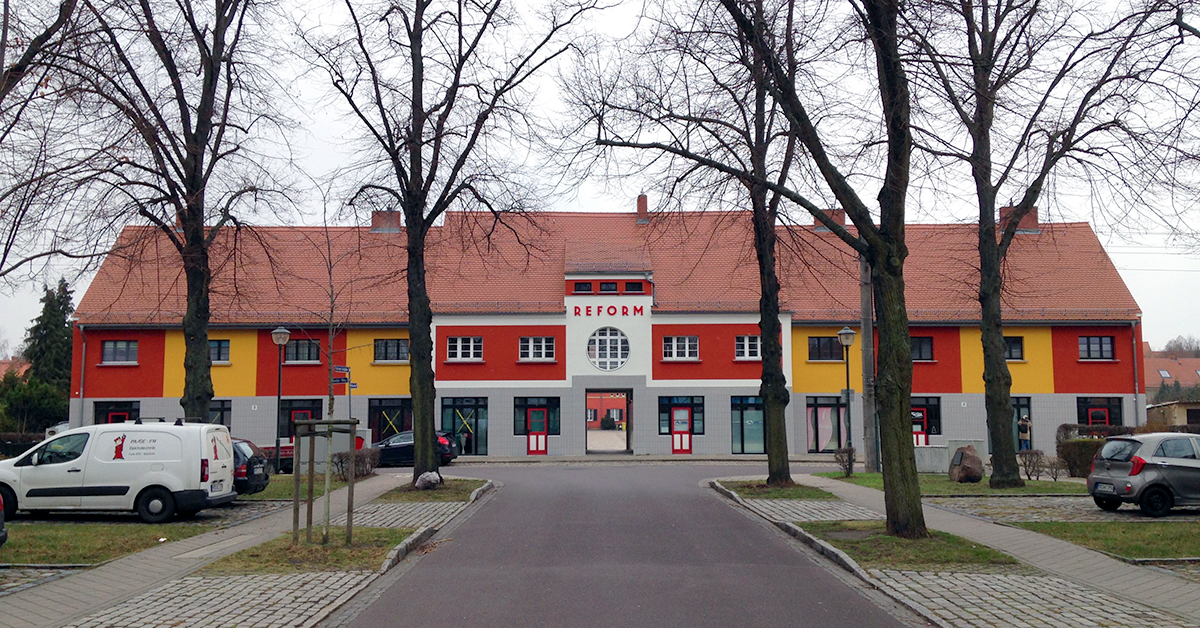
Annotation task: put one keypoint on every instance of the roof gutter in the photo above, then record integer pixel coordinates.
(1139, 409)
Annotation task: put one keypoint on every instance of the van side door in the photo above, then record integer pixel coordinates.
(52, 475)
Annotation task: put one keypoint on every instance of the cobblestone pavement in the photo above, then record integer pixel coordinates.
(1191, 571)
(403, 515)
(801, 510)
(1058, 508)
(1004, 600)
(17, 578)
(276, 601)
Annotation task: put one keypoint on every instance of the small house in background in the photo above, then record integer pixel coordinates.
(15, 364)
(1174, 413)
(1169, 369)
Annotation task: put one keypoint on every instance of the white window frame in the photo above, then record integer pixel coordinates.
(536, 349)
(464, 349)
(608, 348)
(748, 347)
(681, 348)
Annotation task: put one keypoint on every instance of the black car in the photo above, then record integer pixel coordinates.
(249, 468)
(397, 449)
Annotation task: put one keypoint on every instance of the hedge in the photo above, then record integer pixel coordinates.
(366, 459)
(1078, 453)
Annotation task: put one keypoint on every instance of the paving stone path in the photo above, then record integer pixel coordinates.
(1064, 508)
(19, 578)
(403, 515)
(801, 510)
(1002, 600)
(276, 601)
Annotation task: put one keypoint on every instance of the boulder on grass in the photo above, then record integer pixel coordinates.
(428, 480)
(966, 465)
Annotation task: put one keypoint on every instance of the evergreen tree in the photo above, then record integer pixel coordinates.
(48, 342)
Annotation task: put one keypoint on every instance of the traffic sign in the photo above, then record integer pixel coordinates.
(341, 380)
(353, 386)
(341, 369)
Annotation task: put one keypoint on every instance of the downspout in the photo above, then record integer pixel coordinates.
(1139, 408)
(82, 373)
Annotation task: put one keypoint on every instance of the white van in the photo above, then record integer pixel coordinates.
(154, 468)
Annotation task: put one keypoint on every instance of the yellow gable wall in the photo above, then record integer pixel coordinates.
(1034, 375)
(239, 378)
(823, 377)
(374, 379)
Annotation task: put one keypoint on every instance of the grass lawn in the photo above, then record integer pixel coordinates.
(868, 543)
(1149, 539)
(758, 489)
(86, 543)
(281, 487)
(371, 546)
(941, 484)
(451, 491)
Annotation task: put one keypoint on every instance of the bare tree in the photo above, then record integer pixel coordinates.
(441, 93)
(692, 98)
(1041, 89)
(881, 244)
(40, 40)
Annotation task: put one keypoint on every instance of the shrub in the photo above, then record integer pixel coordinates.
(1054, 467)
(1187, 429)
(365, 461)
(1031, 461)
(1077, 455)
(608, 423)
(1073, 431)
(845, 460)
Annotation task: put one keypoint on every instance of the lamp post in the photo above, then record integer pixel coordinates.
(280, 337)
(846, 337)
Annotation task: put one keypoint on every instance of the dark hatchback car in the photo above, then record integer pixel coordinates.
(249, 468)
(397, 449)
(1155, 471)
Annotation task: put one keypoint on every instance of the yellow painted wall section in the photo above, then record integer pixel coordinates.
(374, 379)
(1034, 375)
(823, 377)
(239, 378)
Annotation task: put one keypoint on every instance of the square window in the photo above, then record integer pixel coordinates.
(1014, 348)
(608, 286)
(824, 348)
(220, 411)
(634, 286)
(667, 406)
(391, 349)
(583, 287)
(681, 347)
(119, 351)
(1164, 374)
(747, 347)
(535, 348)
(922, 348)
(302, 351)
(218, 350)
(1095, 347)
(464, 348)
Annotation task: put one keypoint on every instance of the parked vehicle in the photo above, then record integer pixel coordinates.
(249, 468)
(3, 532)
(397, 449)
(1155, 471)
(155, 469)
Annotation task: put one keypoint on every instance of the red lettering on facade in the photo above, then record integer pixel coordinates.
(638, 309)
(612, 310)
(577, 310)
(624, 310)
(589, 310)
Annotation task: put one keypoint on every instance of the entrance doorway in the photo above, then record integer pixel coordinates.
(681, 430)
(537, 424)
(608, 419)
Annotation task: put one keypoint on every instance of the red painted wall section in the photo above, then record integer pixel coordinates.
(716, 353)
(1072, 375)
(310, 380)
(501, 352)
(145, 379)
(944, 374)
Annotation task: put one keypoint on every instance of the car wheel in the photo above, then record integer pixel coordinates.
(156, 505)
(445, 462)
(1107, 503)
(1156, 501)
(10, 502)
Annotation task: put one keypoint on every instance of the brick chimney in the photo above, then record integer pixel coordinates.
(387, 221)
(838, 216)
(643, 211)
(1028, 224)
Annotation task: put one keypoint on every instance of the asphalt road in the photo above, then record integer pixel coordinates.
(614, 546)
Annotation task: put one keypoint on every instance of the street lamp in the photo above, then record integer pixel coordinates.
(280, 337)
(846, 337)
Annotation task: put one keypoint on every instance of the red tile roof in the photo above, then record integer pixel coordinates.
(700, 262)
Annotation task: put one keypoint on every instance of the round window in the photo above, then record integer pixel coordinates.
(608, 348)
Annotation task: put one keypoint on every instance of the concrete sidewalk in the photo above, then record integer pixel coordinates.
(1071, 562)
(60, 601)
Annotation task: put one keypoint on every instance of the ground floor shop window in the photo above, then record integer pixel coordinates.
(117, 411)
(220, 412)
(521, 408)
(666, 407)
(826, 424)
(386, 417)
(1099, 410)
(926, 419)
(747, 424)
(466, 418)
(292, 410)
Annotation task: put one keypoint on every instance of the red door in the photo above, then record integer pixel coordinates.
(1097, 416)
(536, 420)
(118, 417)
(681, 430)
(920, 427)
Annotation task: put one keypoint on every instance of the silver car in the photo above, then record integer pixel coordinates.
(1155, 471)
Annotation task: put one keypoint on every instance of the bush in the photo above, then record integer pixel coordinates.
(608, 423)
(1031, 461)
(1054, 468)
(1187, 429)
(845, 460)
(1074, 431)
(365, 461)
(1077, 455)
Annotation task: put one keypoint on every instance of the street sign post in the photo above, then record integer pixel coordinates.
(341, 380)
(341, 369)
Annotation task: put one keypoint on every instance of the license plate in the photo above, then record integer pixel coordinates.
(258, 469)
(217, 487)
(1104, 488)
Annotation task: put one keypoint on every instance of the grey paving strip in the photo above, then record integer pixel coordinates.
(809, 510)
(1049, 508)
(272, 600)
(404, 515)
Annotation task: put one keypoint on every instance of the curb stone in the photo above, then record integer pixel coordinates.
(480, 491)
(398, 553)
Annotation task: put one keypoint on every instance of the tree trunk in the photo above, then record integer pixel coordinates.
(773, 389)
(197, 363)
(997, 381)
(420, 317)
